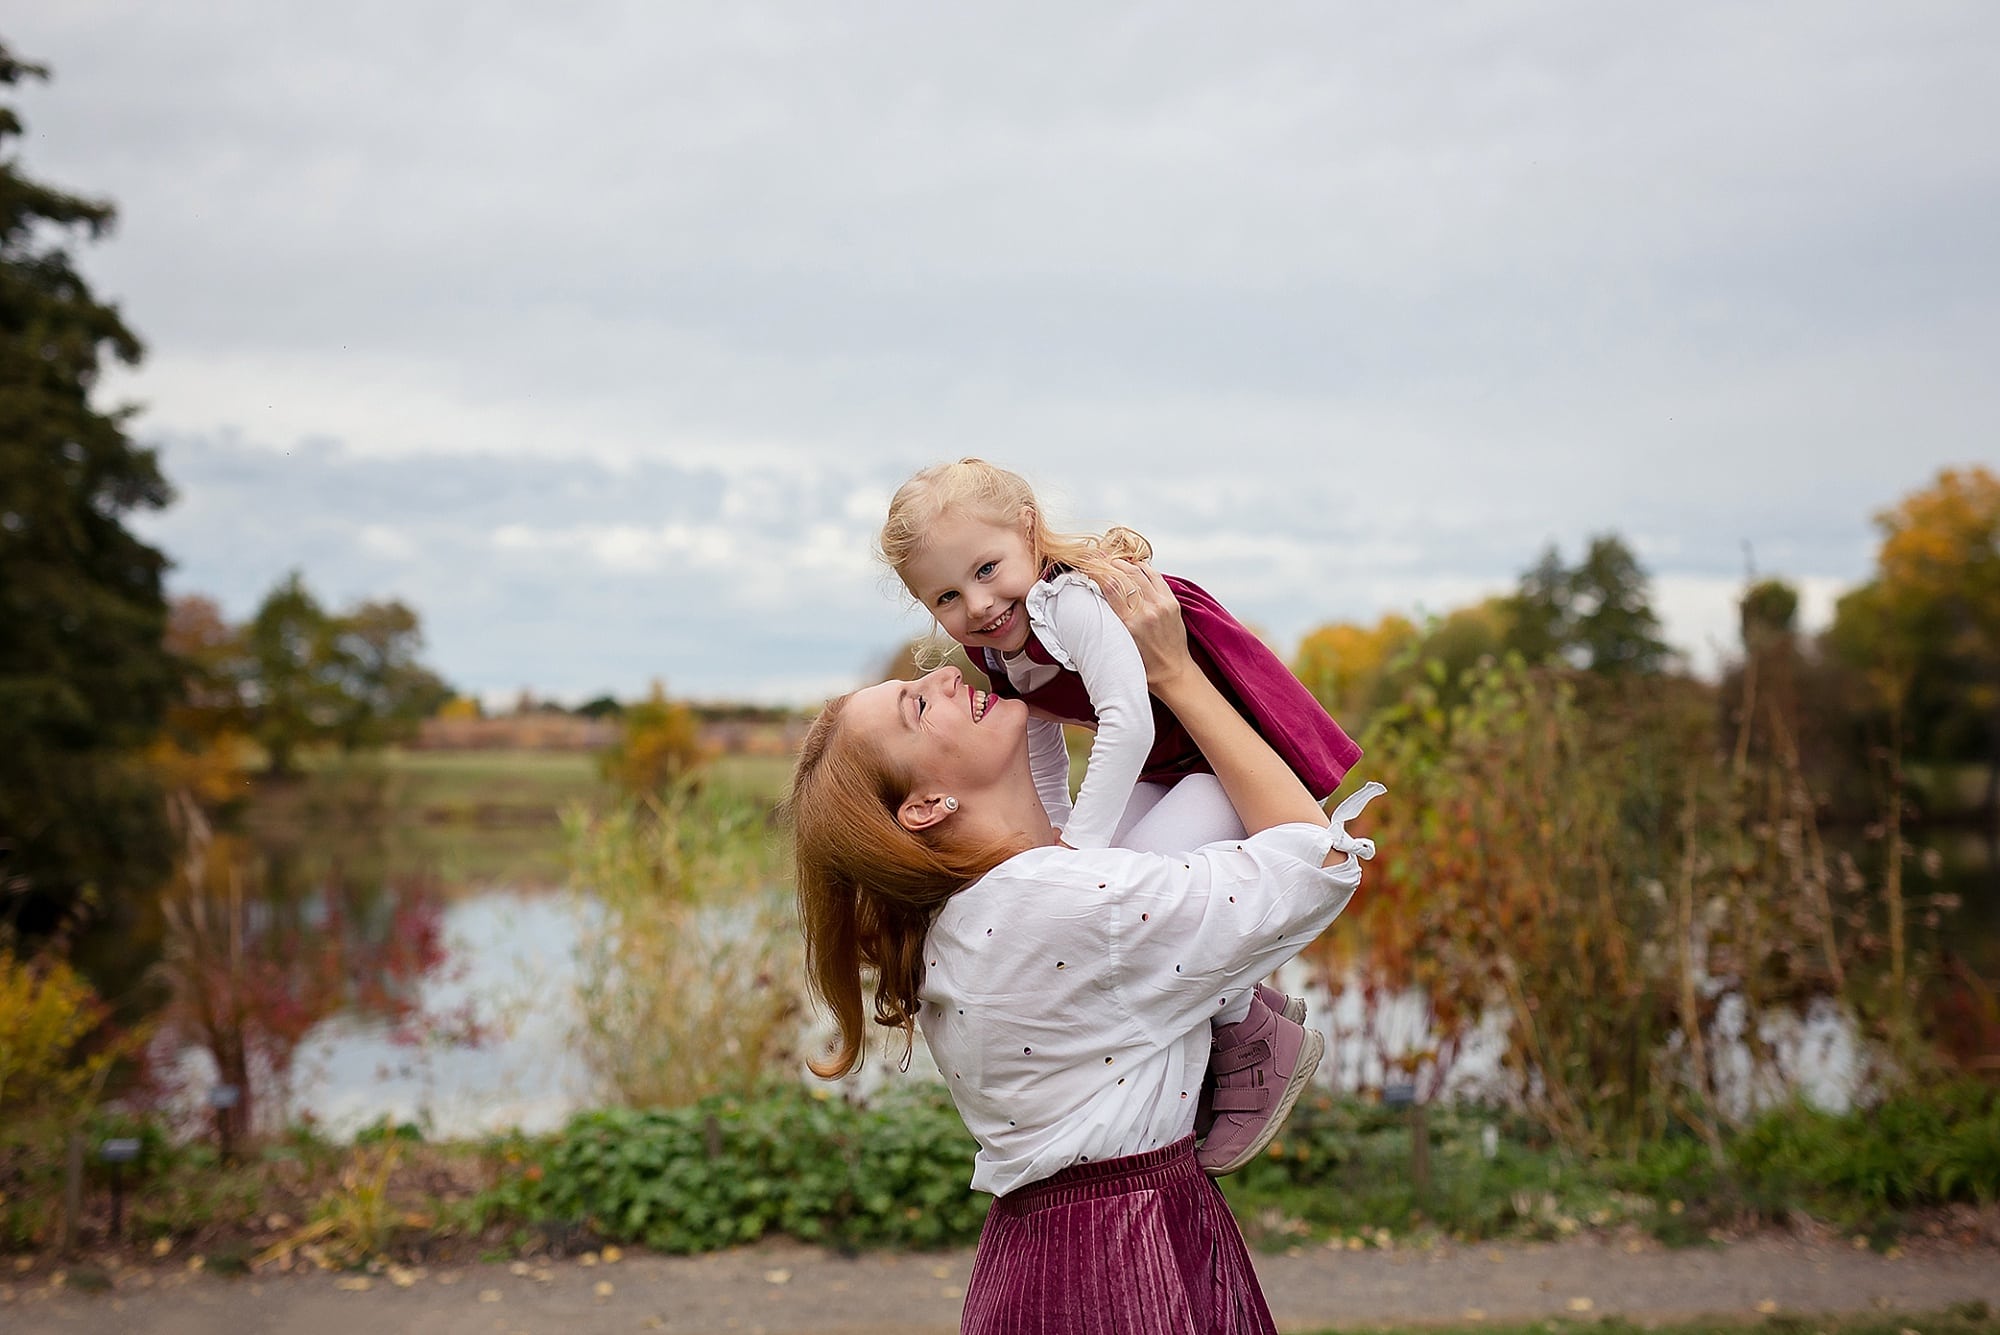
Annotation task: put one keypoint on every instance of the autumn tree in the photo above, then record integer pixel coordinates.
(660, 745)
(84, 676)
(203, 750)
(1347, 666)
(1926, 629)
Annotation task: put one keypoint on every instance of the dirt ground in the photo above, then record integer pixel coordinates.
(788, 1288)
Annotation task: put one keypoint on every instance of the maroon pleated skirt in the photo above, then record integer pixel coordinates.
(1142, 1245)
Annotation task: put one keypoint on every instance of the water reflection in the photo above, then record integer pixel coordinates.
(489, 1045)
(484, 1041)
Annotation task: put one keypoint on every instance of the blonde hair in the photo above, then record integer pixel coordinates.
(868, 888)
(992, 493)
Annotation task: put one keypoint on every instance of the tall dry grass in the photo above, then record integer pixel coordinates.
(690, 960)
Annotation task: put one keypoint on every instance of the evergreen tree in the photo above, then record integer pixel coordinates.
(84, 676)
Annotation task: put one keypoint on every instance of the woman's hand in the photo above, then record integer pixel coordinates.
(1147, 607)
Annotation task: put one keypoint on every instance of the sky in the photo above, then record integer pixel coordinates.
(601, 333)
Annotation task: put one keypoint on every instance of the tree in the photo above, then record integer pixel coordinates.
(1613, 628)
(314, 677)
(660, 746)
(84, 677)
(1596, 615)
(384, 691)
(292, 687)
(1346, 666)
(203, 750)
(1926, 629)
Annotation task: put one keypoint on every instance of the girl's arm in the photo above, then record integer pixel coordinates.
(1261, 786)
(1087, 637)
(1048, 761)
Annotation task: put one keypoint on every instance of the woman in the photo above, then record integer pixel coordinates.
(1065, 994)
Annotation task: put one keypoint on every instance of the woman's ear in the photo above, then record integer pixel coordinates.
(1028, 523)
(921, 811)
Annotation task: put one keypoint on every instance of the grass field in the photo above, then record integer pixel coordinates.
(476, 816)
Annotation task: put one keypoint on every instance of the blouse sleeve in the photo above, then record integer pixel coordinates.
(1191, 932)
(1048, 761)
(1082, 632)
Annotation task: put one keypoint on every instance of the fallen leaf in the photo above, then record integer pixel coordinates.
(777, 1276)
(1767, 1307)
(612, 1256)
(401, 1276)
(518, 1268)
(588, 1258)
(604, 1288)
(952, 1291)
(197, 1262)
(941, 1272)
(1474, 1314)
(489, 1295)
(354, 1283)
(1581, 1304)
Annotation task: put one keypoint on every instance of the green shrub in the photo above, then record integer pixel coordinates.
(726, 1171)
(1921, 1147)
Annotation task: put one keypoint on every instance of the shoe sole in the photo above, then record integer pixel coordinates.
(1309, 1056)
(1295, 1010)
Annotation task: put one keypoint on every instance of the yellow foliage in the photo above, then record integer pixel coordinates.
(1942, 544)
(1342, 664)
(47, 1012)
(661, 745)
(214, 771)
(460, 707)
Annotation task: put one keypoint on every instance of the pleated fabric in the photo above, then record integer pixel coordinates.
(1141, 1245)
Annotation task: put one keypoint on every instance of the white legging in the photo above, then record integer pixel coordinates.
(1160, 818)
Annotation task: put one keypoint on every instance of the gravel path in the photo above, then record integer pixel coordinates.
(787, 1288)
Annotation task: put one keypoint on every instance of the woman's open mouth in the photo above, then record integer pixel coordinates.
(981, 702)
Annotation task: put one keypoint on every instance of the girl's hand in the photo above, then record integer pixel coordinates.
(1147, 607)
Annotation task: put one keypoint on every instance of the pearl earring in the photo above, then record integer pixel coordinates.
(951, 804)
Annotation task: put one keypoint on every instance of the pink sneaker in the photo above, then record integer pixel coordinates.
(1258, 1068)
(1292, 1008)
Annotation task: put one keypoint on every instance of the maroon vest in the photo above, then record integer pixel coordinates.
(1243, 668)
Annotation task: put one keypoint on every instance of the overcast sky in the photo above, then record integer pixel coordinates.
(600, 333)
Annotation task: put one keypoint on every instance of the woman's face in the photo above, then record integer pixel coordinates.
(942, 732)
(972, 576)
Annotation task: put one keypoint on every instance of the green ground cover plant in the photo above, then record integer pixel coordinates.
(724, 1172)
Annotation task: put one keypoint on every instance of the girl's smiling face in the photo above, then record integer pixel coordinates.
(973, 576)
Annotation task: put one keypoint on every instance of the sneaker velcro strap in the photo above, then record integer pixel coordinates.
(1228, 1061)
(1245, 1100)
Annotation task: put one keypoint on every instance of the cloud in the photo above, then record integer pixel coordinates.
(602, 336)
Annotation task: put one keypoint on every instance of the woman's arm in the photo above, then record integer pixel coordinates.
(1260, 785)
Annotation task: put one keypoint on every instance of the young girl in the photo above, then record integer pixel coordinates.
(1030, 607)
